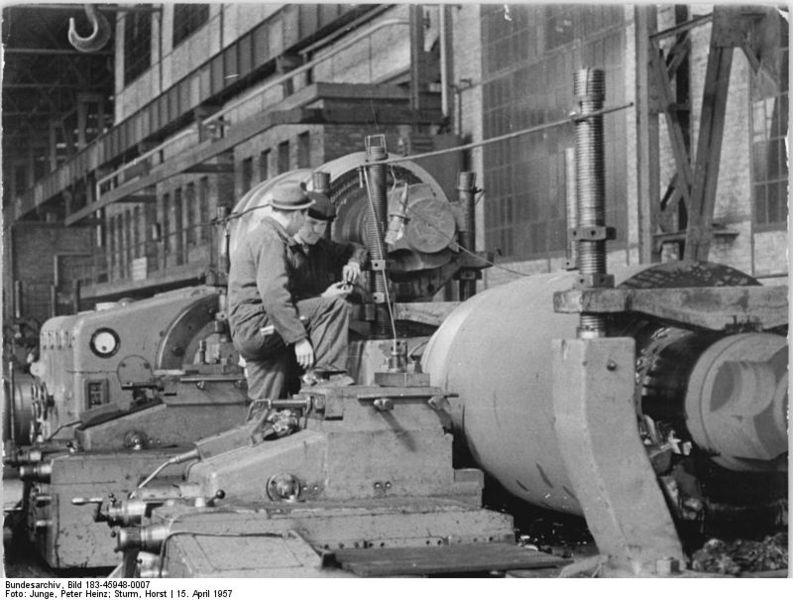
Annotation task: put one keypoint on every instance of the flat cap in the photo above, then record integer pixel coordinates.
(290, 196)
(322, 208)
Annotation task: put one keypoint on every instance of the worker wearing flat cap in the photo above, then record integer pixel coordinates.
(324, 267)
(276, 318)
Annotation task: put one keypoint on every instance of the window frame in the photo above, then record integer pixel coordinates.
(189, 30)
(138, 48)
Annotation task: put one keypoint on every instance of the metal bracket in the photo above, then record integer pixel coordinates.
(594, 280)
(593, 233)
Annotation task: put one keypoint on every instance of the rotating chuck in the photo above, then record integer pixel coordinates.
(737, 402)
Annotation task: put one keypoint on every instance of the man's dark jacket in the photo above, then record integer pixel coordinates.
(270, 271)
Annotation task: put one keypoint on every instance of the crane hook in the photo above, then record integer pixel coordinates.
(99, 35)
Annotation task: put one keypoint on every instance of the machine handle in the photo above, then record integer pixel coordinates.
(79, 501)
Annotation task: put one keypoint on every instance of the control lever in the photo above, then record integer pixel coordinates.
(99, 515)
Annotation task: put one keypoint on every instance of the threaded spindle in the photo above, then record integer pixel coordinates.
(590, 91)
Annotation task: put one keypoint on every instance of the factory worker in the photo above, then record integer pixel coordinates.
(324, 267)
(274, 322)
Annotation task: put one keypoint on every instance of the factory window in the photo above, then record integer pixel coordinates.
(769, 132)
(112, 244)
(264, 165)
(136, 245)
(559, 25)
(203, 209)
(128, 249)
(525, 86)
(247, 174)
(150, 223)
(304, 150)
(122, 266)
(166, 223)
(190, 210)
(187, 19)
(137, 44)
(178, 226)
(283, 157)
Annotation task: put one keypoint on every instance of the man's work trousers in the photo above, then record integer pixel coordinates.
(328, 321)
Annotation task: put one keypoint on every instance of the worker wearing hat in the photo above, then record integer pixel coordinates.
(324, 267)
(274, 324)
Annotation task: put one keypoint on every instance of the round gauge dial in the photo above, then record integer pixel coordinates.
(105, 342)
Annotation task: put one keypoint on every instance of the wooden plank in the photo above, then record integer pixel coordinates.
(435, 560)
(715, 308)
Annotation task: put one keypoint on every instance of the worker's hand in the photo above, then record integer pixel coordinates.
(351, 272)
(337, 289)
(304, 354)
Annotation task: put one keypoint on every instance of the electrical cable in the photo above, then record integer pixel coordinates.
(64, 426)
(569, 119)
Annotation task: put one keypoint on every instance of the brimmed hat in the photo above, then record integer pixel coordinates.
(322, 208)
(290, 196)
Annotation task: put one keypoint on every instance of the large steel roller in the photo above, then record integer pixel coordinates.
(494, 353)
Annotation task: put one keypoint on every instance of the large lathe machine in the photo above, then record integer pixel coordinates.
(124, 391)
(651, 400)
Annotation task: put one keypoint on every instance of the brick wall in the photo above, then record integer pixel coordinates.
(33, 247)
